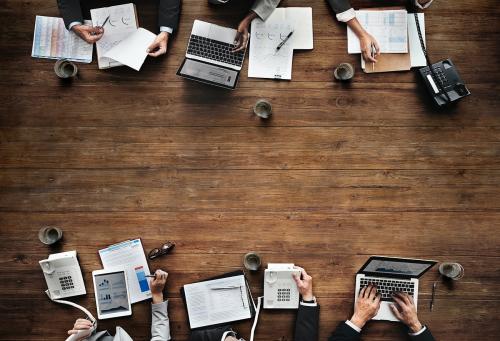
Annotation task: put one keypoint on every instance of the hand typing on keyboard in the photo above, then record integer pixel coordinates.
(367, 305)
(404, 309)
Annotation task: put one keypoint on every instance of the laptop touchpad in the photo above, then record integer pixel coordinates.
(223, 34)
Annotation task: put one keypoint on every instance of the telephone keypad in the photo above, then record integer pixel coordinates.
(66, 281)
(283, 295)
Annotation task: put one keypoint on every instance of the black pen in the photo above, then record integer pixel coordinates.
(105, 21)
(284, 41)
(153, 276)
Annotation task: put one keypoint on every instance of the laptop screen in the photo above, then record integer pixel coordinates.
(400, 267)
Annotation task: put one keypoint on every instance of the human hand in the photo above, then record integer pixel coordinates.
(366, 41)
(304, 283)
(404, 309)
(159, 46)
(157, 285)
(367, 305)
(83, 327)
(241, 39)
(88, 33)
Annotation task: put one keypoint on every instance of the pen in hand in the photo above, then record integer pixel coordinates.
(284, 41)
(373, 53)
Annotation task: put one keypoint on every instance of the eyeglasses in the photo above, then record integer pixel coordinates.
(165, 249)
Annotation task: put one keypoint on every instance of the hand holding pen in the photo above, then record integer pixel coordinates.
(157, 284)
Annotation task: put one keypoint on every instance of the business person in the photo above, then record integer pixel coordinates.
(345, 13)
(306, 324)
(366, 308)
(260, 8)
(168, 21)
(160, 325)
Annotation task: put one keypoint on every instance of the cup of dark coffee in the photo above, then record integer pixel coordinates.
(344, 72)
(65, 69)
(50, 235)
(453, 271)
(252, 261)
(263, 108)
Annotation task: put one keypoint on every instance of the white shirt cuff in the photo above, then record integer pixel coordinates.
(315, 304)
(353, 326)
(346, 15)
(226, 334)
(166, 29)
(419, 332)
(73, 24)
(424, 6)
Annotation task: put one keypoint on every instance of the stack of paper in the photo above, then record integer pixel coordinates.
(52, 40)
(265, 60)
(129, 255)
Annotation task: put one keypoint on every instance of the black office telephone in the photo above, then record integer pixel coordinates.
(441, 79)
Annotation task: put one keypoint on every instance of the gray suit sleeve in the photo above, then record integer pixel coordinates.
(264, 8)
(160, 324)
(339, 6)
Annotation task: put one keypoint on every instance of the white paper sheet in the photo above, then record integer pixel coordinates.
(132, 50)
(122, 23)
(217, 301)
(388, 27)
(301, 19)
(264, 60)
(52, 40)
(129, 255)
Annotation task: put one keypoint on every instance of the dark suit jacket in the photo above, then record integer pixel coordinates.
(168, 12)
(339, 6)
(346, 333)
(306, 327)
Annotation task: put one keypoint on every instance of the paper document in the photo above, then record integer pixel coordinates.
(52, 40)
(130, 256)
(121, 24)
(217, 301)
(416, 53)
(265, 61)
(389, 27)
(132, 50)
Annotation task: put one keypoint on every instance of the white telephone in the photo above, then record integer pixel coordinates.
(63, 275)
(280, 289)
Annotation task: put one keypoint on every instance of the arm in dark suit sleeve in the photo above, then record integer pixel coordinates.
(344, 333)
(424, 336)
(70, 11)
(307, 323)
(168, 13)
(339, 6)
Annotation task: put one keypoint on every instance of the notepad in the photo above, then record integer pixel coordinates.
(52, 40)
(217, 301)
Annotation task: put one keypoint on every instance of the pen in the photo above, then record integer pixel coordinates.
(105, 21)
(374, 51)
(284, 41)
(433, 295)
(153, 276)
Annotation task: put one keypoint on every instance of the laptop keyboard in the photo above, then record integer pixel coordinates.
(214, 50)
(386, 287)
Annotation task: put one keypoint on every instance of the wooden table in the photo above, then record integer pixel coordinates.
(341, 172)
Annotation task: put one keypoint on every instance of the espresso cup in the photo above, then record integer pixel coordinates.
(49, 235)
(344, 72)
(263, 108)
(65, 69)
(252, 261)
(453, 271)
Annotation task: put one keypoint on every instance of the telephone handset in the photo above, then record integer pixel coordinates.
(63, 275)
(280, 289)
(441, 79)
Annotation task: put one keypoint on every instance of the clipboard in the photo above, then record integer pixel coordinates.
(388, 62)
(225, 275)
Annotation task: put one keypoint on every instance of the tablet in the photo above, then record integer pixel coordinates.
(111, 293)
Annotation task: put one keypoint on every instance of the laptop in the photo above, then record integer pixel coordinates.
(209, 57)
(391, 275)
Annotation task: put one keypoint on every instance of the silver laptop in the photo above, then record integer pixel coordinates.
(391, 275)
(209, 57)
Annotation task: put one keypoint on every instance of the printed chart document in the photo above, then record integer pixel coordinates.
(389, 27)
(265, 61)
(129, 255)
(217, 301)
(132, 50)
(52, 40)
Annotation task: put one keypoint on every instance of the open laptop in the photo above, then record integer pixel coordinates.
(209, 57)
(391, 275)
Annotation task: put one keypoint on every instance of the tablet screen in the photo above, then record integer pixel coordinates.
(111, 293)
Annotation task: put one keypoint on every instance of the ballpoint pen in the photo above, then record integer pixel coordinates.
(284, 41)
(373, 53)
(105, 21)
(153, 276)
